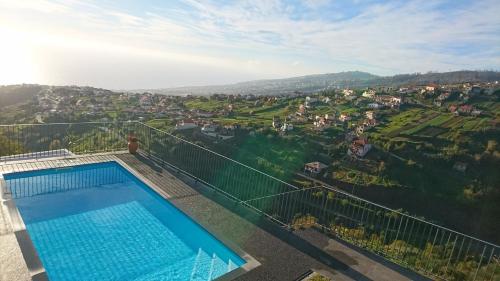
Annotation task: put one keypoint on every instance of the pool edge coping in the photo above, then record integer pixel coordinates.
(33, 262)
(30, 255)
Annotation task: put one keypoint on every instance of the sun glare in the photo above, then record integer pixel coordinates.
(16, 61)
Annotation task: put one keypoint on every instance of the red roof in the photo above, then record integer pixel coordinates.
(361, 141)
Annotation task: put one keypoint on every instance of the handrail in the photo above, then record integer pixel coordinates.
(66, 123)
(334, 190)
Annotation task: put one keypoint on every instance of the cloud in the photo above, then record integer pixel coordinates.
(324, 36)
(315, 4)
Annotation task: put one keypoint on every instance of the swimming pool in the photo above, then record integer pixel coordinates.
(100, 222)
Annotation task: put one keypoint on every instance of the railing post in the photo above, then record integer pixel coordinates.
(149, 142)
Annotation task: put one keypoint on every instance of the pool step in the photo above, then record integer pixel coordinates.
(215, 265)
(218, 268)
(169, 272)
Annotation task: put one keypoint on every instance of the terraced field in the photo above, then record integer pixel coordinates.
(407, 120)
(429, 123)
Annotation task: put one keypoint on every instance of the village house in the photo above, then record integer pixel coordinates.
(209, 128)
(359, 147)
(407, 91)
(389, 101)
(217, 132)
(370, 123)
(444, 96)
(310, 102)
(227, 132)
(344, 117)
(465, 109)
(431, 88)
(348, 92)
(370, 114)
(320, 123)
(145, 101)
(369, 94)
(359, 130)
(287, 126)
(326, 100)
(301, 111)
(475, 112)
(374, 105)
(276, 122)
(314, 168)
(185, 124)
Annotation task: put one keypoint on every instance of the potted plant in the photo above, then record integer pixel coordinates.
(133, 144)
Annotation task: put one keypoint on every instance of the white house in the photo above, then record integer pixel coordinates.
(348, 92)
(369, 94)
(374, 105)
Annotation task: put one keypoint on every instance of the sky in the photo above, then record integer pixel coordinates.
(170, 43)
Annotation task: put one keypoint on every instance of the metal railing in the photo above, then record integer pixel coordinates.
(34, 141)
(424, 247)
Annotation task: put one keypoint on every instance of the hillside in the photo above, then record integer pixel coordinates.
(312, 83)
(10, 95)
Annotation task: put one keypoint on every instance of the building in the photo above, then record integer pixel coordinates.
(209, 128)
(344, 117)
(370, 123)
(369, 94)
(374, 105)
(310, 101)
(314, 168)
(302, 110)
(321, 122)
(359, 147)
(185, 124)
(465, 109)
(444, 96)
(276, 122)
(348, 92)
(286, 126)
(431, 87)
(389, 101)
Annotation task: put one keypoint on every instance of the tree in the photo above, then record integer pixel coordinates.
(8, 147)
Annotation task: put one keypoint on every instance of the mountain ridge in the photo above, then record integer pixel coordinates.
(318, 82)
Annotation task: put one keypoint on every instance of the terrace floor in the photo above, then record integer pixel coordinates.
(283, 255)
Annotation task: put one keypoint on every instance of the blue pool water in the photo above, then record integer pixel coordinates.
(99, 222)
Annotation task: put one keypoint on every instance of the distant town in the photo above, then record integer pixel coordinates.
(392, 145)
